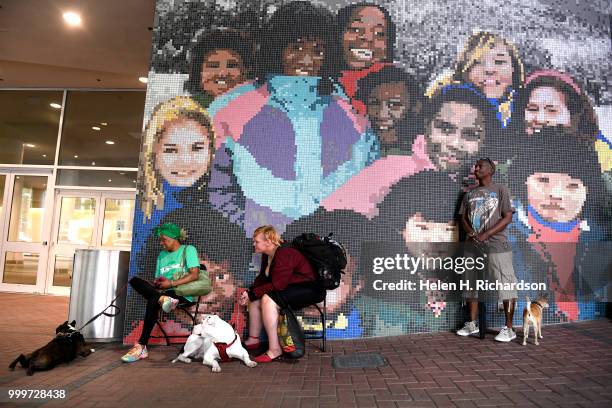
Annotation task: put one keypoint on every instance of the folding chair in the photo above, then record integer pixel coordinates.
(314, 334)
(185, 308)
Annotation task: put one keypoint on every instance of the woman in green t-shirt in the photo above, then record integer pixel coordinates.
(172, 264)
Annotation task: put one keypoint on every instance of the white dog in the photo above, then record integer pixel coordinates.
(214, 339)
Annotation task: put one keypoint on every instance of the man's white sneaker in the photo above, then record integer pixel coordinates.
(469, 329)
(506, 334)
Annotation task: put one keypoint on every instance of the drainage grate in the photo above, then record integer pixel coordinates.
(361, 360)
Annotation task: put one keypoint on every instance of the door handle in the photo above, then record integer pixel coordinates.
(44, 242)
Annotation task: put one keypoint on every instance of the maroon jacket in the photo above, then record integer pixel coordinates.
(289, 266)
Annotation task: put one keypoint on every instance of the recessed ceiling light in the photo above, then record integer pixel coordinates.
(76, 156)
(109, 180)
(95, 127)
(44, 155)
(110, 142)
(29, 145)
(72, 19)
(144, 80)
(93, 163)
(55, 105)
(103, 123)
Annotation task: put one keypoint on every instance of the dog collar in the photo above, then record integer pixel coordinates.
(233, 341)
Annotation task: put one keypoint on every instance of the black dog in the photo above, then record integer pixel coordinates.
(67, 344)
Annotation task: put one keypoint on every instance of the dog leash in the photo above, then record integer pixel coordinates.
(104, 312)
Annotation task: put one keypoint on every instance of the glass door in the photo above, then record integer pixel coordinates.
(25, 231)
(85, 219)
(74, 227)
(116, 219)
(3, 200)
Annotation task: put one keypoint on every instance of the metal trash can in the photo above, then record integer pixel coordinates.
(97, 274)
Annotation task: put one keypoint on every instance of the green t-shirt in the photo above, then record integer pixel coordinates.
(170, 264)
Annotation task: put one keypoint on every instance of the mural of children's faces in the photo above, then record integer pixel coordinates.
(364, 40)
(222, 69)
(455, 135)
(223, 290)
(546, 107)
(183, 153)
(387, 106)
(418, 229)
(557, 197)
(303, 57)
(421, 236)
(337, 298)
(492, 70)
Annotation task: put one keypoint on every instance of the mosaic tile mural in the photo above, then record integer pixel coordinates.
(365, 120)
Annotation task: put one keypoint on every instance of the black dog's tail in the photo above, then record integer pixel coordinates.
(22, 360)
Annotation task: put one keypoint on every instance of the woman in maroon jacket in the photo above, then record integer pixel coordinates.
(286, 277)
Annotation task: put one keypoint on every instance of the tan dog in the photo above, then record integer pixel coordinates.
(533, 314)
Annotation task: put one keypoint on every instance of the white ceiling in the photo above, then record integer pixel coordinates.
(110, 50)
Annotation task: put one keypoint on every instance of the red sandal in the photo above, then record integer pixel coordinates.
(253, 346)
(265, 358)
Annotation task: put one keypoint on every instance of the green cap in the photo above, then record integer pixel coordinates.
(169, 230)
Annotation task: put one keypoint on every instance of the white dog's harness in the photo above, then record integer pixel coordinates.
(222, 348)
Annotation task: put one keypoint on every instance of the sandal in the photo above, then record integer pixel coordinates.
(253, 346)
(265, 358)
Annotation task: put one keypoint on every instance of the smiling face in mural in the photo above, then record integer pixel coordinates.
(557, 197)
(492, 70)
(303, 57)
(183, 153)
(546, 107)
(386, 107)
(364, 40)
(455, 135)
(222, 69)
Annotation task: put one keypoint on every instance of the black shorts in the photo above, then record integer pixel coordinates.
(299, 295)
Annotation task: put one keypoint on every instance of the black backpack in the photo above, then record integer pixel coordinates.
(327, 257)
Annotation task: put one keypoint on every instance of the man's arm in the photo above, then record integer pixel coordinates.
(466, 225)
(506, 212)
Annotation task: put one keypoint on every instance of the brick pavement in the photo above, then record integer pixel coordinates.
(571, 367)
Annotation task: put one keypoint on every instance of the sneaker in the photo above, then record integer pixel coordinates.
(506, 334)
(138, 352)
(469, 329)
(168, 303)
